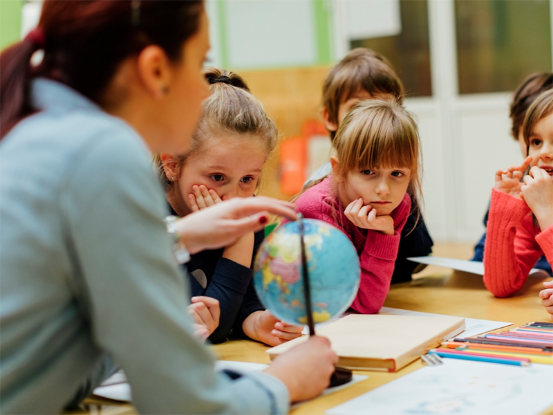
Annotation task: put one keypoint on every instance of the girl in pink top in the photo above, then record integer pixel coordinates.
(520, 227)
(375, 168)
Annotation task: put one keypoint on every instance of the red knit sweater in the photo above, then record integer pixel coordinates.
(513, 244)
(377, 251)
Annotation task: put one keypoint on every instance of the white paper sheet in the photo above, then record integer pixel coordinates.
(459, 387)
(117, 388)
(472, 267)
(473, 326)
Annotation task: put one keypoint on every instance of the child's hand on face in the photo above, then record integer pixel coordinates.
(202, 197)
(508, 181)
(272, 331)
(365, 217)
(537, 192)
(547, 297)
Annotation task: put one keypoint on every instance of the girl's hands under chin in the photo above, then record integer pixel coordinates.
(537, 192)
(365, 217)
(508, 181)
(202, 197)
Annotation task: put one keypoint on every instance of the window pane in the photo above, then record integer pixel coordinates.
(409, 51)
(499, 43)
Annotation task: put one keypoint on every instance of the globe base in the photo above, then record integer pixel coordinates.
(341, 376)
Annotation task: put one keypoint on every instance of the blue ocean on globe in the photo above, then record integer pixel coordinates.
(333, 266)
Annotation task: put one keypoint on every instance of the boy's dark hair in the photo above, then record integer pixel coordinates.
(360, 69)
(525, 95)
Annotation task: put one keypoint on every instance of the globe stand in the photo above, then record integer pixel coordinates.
(341, 375)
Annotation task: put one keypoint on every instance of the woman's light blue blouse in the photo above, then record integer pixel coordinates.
(86, 272)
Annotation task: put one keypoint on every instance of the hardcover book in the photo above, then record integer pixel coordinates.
(382, 342)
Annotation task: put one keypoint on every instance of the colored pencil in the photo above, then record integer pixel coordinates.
(540, 324)
(453, 354)
(483, 354)
(545, 328)
(532, 358)
(480, 340)
(491, 347)
(521, 340)
(526, 335)
(533, 330)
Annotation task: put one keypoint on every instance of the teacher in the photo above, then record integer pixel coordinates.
(88, 279)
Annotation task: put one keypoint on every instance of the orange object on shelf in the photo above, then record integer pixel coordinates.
(293, 159)
(313, 127)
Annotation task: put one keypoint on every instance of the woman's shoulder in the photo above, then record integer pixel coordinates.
(71, 138)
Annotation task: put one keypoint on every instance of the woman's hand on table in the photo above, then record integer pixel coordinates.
(306, 368)
(223, 223)
(205, 312)
(266, 328)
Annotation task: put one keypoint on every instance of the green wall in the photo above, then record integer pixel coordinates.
(10, 21)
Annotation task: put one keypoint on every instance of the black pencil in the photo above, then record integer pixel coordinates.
(541, 324)
(306, 285)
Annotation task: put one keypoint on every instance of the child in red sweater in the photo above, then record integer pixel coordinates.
(520, 227)
(376, 155)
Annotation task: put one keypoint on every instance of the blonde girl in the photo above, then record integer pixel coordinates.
(232, 141)
(375, 166)
(520, 227)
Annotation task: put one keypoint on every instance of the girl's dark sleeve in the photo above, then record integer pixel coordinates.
(479, 247)
(250, 303)
(229, 284)
(415, 241)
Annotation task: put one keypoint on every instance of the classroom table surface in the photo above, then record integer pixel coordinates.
(434, 290)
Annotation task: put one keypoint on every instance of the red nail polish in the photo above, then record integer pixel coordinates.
(263, 220)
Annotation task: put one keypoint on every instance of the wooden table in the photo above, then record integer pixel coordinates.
(437, 290)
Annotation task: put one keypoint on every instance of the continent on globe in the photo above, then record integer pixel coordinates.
(333, 266)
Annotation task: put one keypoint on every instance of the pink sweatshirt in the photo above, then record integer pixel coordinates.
(513, 244)
(377, 251)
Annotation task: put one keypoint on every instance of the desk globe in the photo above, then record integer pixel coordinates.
(333, 267)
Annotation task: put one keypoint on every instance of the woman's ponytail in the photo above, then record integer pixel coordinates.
(84, 43)
(15, 76)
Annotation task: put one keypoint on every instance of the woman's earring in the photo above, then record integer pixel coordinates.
(172, 178)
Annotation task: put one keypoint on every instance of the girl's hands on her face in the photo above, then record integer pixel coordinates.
(202, 197)
(270, 330)
(537, 192)
(205, 312)
(365, 217)
(547, 297)
(508, 181)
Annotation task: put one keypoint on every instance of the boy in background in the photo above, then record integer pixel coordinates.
(364, 74)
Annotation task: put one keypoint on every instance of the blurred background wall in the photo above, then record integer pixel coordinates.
(459, 60)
